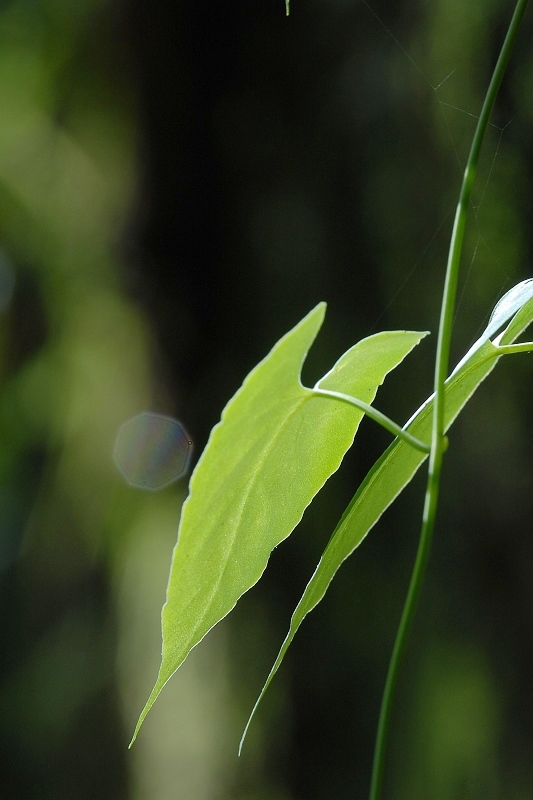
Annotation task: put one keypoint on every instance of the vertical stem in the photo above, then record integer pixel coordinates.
(441, 371)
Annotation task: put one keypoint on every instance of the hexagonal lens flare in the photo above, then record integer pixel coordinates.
(152, 451)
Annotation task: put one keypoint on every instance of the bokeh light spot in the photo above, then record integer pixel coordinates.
(152, 451)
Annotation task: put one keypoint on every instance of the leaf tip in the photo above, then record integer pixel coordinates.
(135, 732)
(149, 703)
(140, 721)
(268, 681)
(245, 731)
(320, 309)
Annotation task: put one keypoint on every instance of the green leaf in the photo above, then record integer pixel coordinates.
(399, 463)
(274, 448)
(513, 301)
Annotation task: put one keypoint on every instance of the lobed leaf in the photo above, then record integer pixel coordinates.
(276, 445)
(399, 463)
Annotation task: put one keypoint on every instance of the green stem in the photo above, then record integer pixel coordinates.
(377, 416)
(441, 370)
(508, 349)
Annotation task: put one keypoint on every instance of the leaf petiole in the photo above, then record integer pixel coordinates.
(377, 416)
(509, 349)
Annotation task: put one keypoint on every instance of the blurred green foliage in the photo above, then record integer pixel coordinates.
(178, 185)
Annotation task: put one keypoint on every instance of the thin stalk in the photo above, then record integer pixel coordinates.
(377, 416)
(508, 349)
(441, 371)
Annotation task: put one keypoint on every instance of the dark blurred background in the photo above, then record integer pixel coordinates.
(179, 184)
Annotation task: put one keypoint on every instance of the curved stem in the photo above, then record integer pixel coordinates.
(377, 416)
(441, 370)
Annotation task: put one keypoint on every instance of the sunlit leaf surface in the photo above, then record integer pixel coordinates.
(272, 451)
(399, 463)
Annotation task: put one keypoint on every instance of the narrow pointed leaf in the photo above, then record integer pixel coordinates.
(272, 451)
(399, 463)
